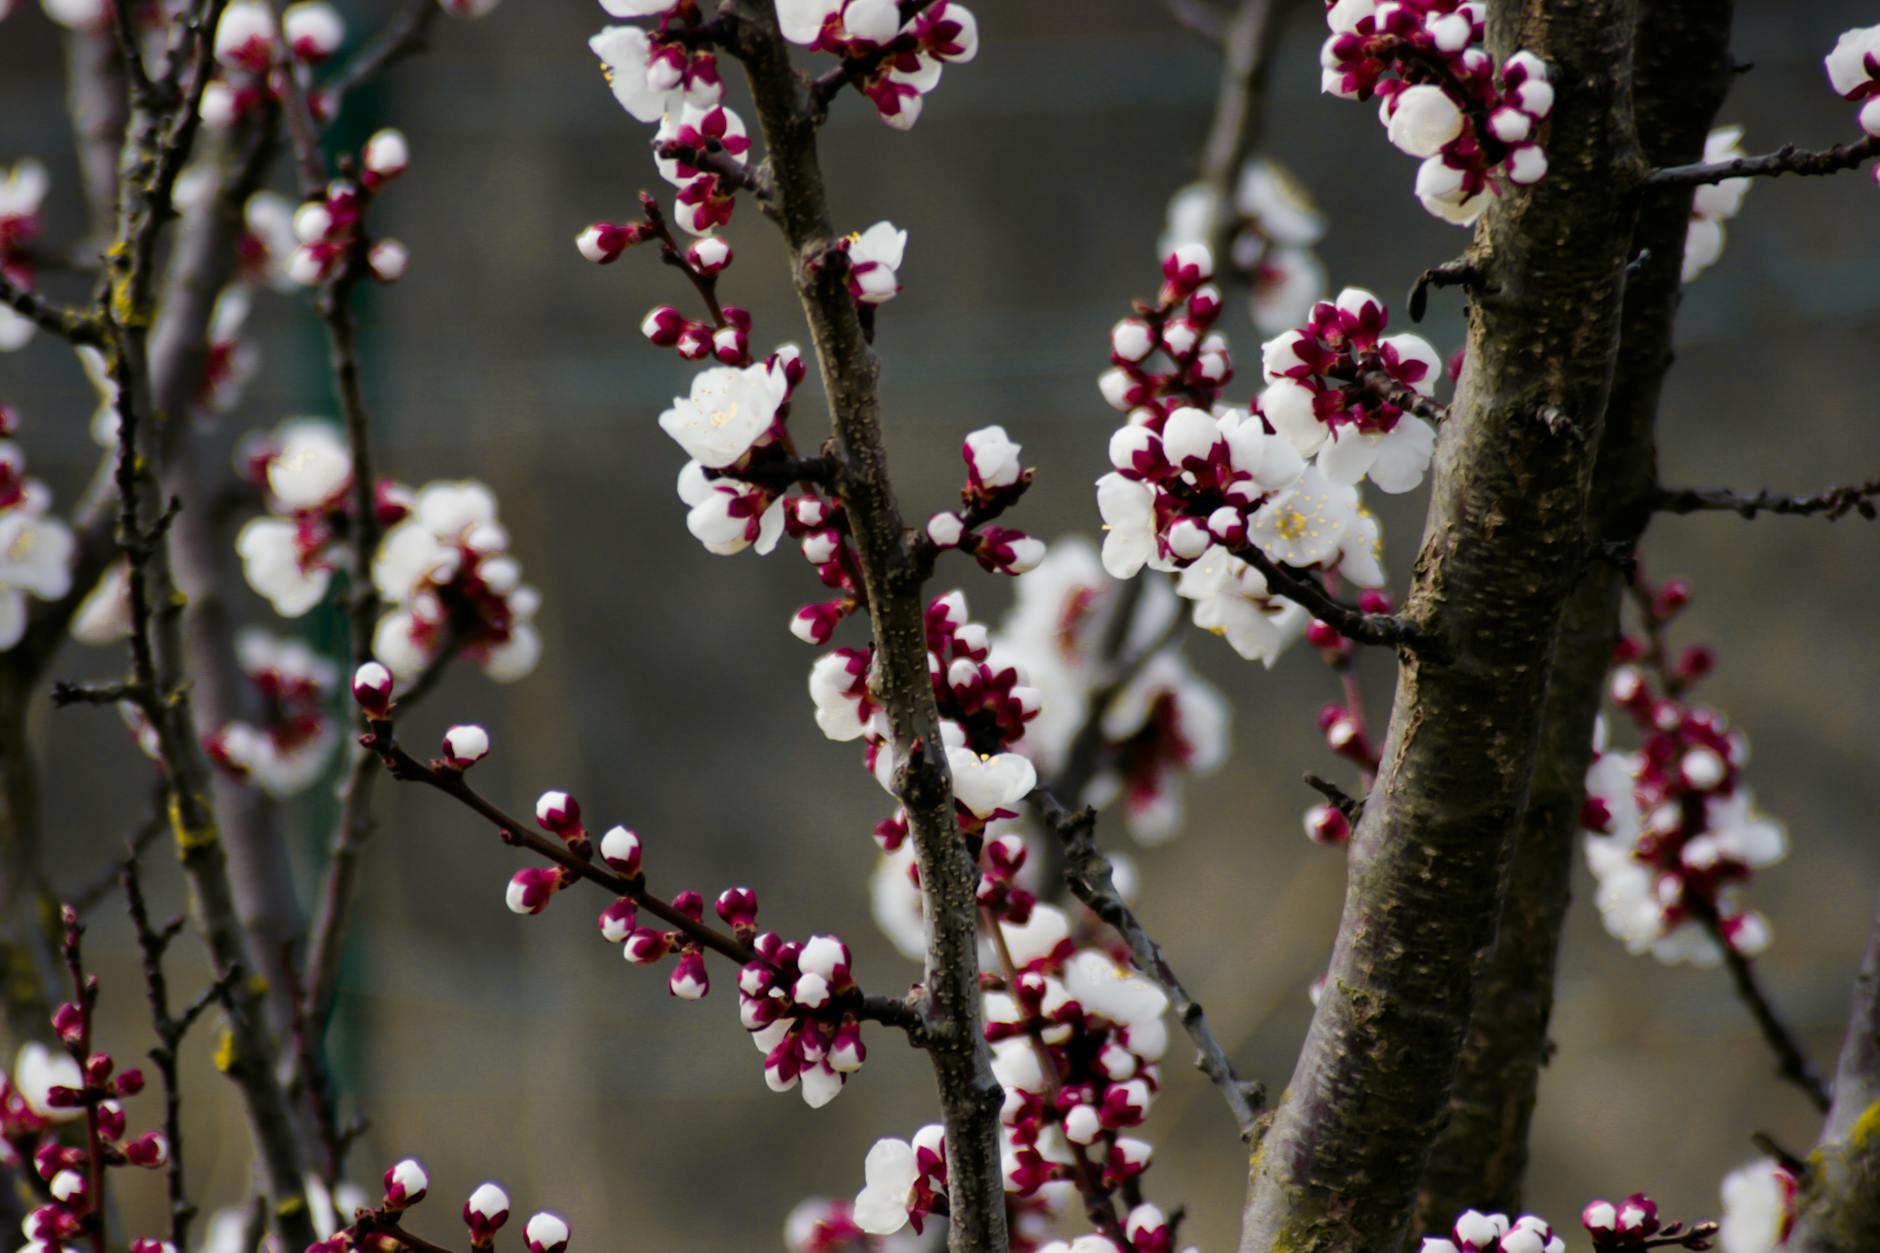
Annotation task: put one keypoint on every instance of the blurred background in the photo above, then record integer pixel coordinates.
(671, 697)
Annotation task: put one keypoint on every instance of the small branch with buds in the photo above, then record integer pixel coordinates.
(1832, 504)
(1792, 1061)
(1787, 159)
(170, 1028)
(1088, 873)
(575, 860)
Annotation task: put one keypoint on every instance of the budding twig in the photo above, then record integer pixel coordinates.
(1792, 1061)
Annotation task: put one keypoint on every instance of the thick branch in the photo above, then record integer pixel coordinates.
(1787, 159)
(1502, 547)
(1683, 70)
(970, 1097)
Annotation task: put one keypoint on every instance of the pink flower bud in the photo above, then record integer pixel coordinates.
(546, 1233)
(1325, 824)
(372, 689)
(663, 325)
(146, 1245)
(465, 746)
(945, 529)
(1188, 267)
(620, 849)
(388, 260)
(406, 1183)
(618, 919)
(689, 980)
(709, 255)
(646, 946)
(386, 154)
(129, 1083)
(530, 889)
(846, 1051)
(69, 1022)
(559, 812)
(738, 907)
(485, 1213)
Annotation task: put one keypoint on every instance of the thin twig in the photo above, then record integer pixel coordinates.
(1198, 17)
(1089, 875)
(71, 325)
(399, 38)
(1787, 159)
(1792, 1062)
(1833, 503)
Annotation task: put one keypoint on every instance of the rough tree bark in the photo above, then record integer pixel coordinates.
(1681, 71)
(1503, 547)
(1839, 1207)
(970, 1098)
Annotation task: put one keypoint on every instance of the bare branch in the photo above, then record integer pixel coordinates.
(1792, 1061)
(68, 324)
(1387, 630)
(1088, 873)
(399, 38)
(1787, 159)
(1199, 17)
(1832, 504)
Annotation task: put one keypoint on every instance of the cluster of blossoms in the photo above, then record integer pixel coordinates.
(443, 567)
(1476, 1232)
(485, 1212)
(895, 63)
(1076, 1041)
(249, 62)
(1854, 70)
(50, 1087)
(1673, 835)
(1615, 1227)
(22, 189)
(1198, 485)
(1163, 723)
(1271, 232)
(1439, 96)
(453, 586)
(1714, 204)
(330, 229)
(36, 548)
(984, 702)
(296, 736)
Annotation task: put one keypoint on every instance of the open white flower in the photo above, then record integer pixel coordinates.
(723, 513)
(1394, 460)
(277, 567)
(312, 468)
(1128, 509)
(643, 87)
(987, 784)
(1231, 600)
(1305, 524)
(1847, 64)
(891, 1171)
(37, 1070)
(728, 410)
(36, 553)
(875, 256)
(1758, 1207)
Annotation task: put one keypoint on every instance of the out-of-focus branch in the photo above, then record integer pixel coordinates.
(160, 135)
(95, 98)
(1247, 41)
(1088, 873)
(1787, 159)
(1199, 17)
(68, 324)
(1792, 1061)
(970, 1097)
(1832, 504)
(1839, 1207)
(401, 37)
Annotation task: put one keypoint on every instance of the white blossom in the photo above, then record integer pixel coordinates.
(728, 410)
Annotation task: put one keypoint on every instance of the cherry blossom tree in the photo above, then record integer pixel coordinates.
(1545, 701)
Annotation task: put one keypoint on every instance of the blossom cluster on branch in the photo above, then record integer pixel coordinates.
(1440, 96)
(1673, 834)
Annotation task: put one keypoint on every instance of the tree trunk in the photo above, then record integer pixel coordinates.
(1503, 547)
(1681, 71)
